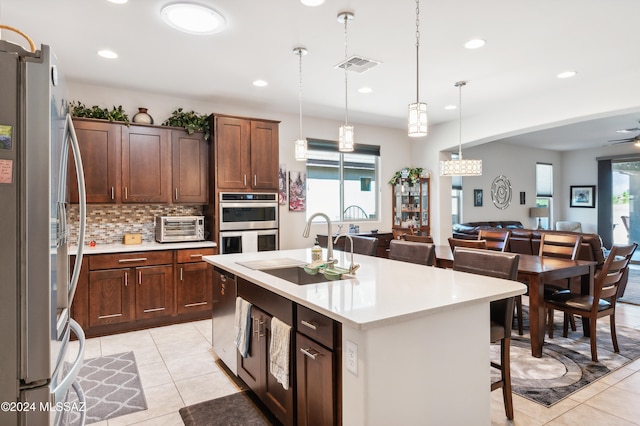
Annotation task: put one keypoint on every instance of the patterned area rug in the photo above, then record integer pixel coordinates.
(112, 387)
(565, 366)
(237, 409)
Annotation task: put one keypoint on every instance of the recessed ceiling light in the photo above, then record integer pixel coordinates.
(312, 2)
(475, 43)
(118, 1)
(260, 83)
(106, 53)
(365, 90)
(451, 107)
(193, 18)
(567, 74)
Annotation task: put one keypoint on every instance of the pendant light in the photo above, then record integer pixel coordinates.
(300, 145)
(460, 167)
(345, 135)
(418, 110)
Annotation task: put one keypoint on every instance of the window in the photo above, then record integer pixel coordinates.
(544, 191)
(342, 185)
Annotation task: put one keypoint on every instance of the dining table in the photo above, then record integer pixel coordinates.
(534, 271)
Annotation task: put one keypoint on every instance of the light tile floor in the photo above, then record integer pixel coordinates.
(177, 368)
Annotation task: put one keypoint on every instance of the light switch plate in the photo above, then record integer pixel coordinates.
(352, 357)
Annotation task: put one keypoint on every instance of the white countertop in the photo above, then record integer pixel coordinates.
(383, 291)
(145, 246)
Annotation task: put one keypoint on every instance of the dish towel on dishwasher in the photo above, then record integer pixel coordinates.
(279, 351)
(242, 326)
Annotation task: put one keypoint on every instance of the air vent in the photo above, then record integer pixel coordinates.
(357, 64)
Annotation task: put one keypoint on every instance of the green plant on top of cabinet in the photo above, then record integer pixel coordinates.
(246, 153)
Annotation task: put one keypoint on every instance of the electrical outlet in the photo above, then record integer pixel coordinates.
(352, 357)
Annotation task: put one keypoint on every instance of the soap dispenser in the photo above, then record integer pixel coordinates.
(316, 252)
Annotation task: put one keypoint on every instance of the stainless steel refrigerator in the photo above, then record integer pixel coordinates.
(37, 284)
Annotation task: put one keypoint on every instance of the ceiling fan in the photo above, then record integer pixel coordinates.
(635, 139)
(633, 129)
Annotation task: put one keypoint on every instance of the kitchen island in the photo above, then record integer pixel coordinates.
(415, 339)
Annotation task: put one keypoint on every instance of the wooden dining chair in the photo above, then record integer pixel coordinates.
(497, 240)
(601, 303)
(564, 246)
(413, 252)
(419, 238)
(499, 265)
(461, 242)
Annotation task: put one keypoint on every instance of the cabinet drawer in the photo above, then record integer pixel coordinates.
(193, 255)
(316, 326)
(271, 303)
(127, 260)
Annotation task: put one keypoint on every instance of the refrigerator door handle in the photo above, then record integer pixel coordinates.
(70, 133)
(82, 400)
(67, 381)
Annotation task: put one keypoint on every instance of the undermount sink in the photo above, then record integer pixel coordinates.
(296, 275)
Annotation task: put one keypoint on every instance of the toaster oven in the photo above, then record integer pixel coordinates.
(171, 229)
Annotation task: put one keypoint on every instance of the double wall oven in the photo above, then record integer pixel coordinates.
(248, 222)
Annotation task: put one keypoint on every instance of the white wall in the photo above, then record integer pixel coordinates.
(394, 144)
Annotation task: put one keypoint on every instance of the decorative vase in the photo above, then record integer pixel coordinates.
(142, 117)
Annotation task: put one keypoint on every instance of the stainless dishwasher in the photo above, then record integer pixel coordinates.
(224, 311)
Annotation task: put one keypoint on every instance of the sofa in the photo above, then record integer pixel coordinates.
(470, 230)
(527, 241)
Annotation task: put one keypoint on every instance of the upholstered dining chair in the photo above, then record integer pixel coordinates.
(601, 303)
(362, 245)
(497, 240)
(419, 238)
(499, 265)
(461, 242)
(412, 251)
(565, 246)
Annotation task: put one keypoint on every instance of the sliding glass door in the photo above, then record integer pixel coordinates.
(625, 201)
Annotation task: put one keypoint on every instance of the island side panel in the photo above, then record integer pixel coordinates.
(418, 371)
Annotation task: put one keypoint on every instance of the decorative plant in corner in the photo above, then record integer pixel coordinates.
(78, 109)
(191, 121)
(412, 173)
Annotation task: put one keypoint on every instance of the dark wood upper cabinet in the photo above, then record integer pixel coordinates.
(264, 155)
(189, 167)
(146, 164)
(246, 153)
(100, 151)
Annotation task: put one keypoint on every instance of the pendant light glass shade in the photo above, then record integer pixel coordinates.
(417, 123)
(346, 139)
(300, 145)
(300, 148)
(418, 119)
(460, 167)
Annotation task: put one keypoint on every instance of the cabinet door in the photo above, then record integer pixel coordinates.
(154, 291)
(264, 155)
(278, 400)
(251, 369)
(110, 296)
(232, 137)
(146, 165)
(195, 287)
(189, 167)
(315, 388)
(100, 150)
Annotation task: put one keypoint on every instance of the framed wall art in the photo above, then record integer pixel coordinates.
(297, 191)
(477, 198)
(582, 196)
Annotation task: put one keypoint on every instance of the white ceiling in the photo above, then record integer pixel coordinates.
(528, 43)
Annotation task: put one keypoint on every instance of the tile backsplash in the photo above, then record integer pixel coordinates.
(107, 224)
